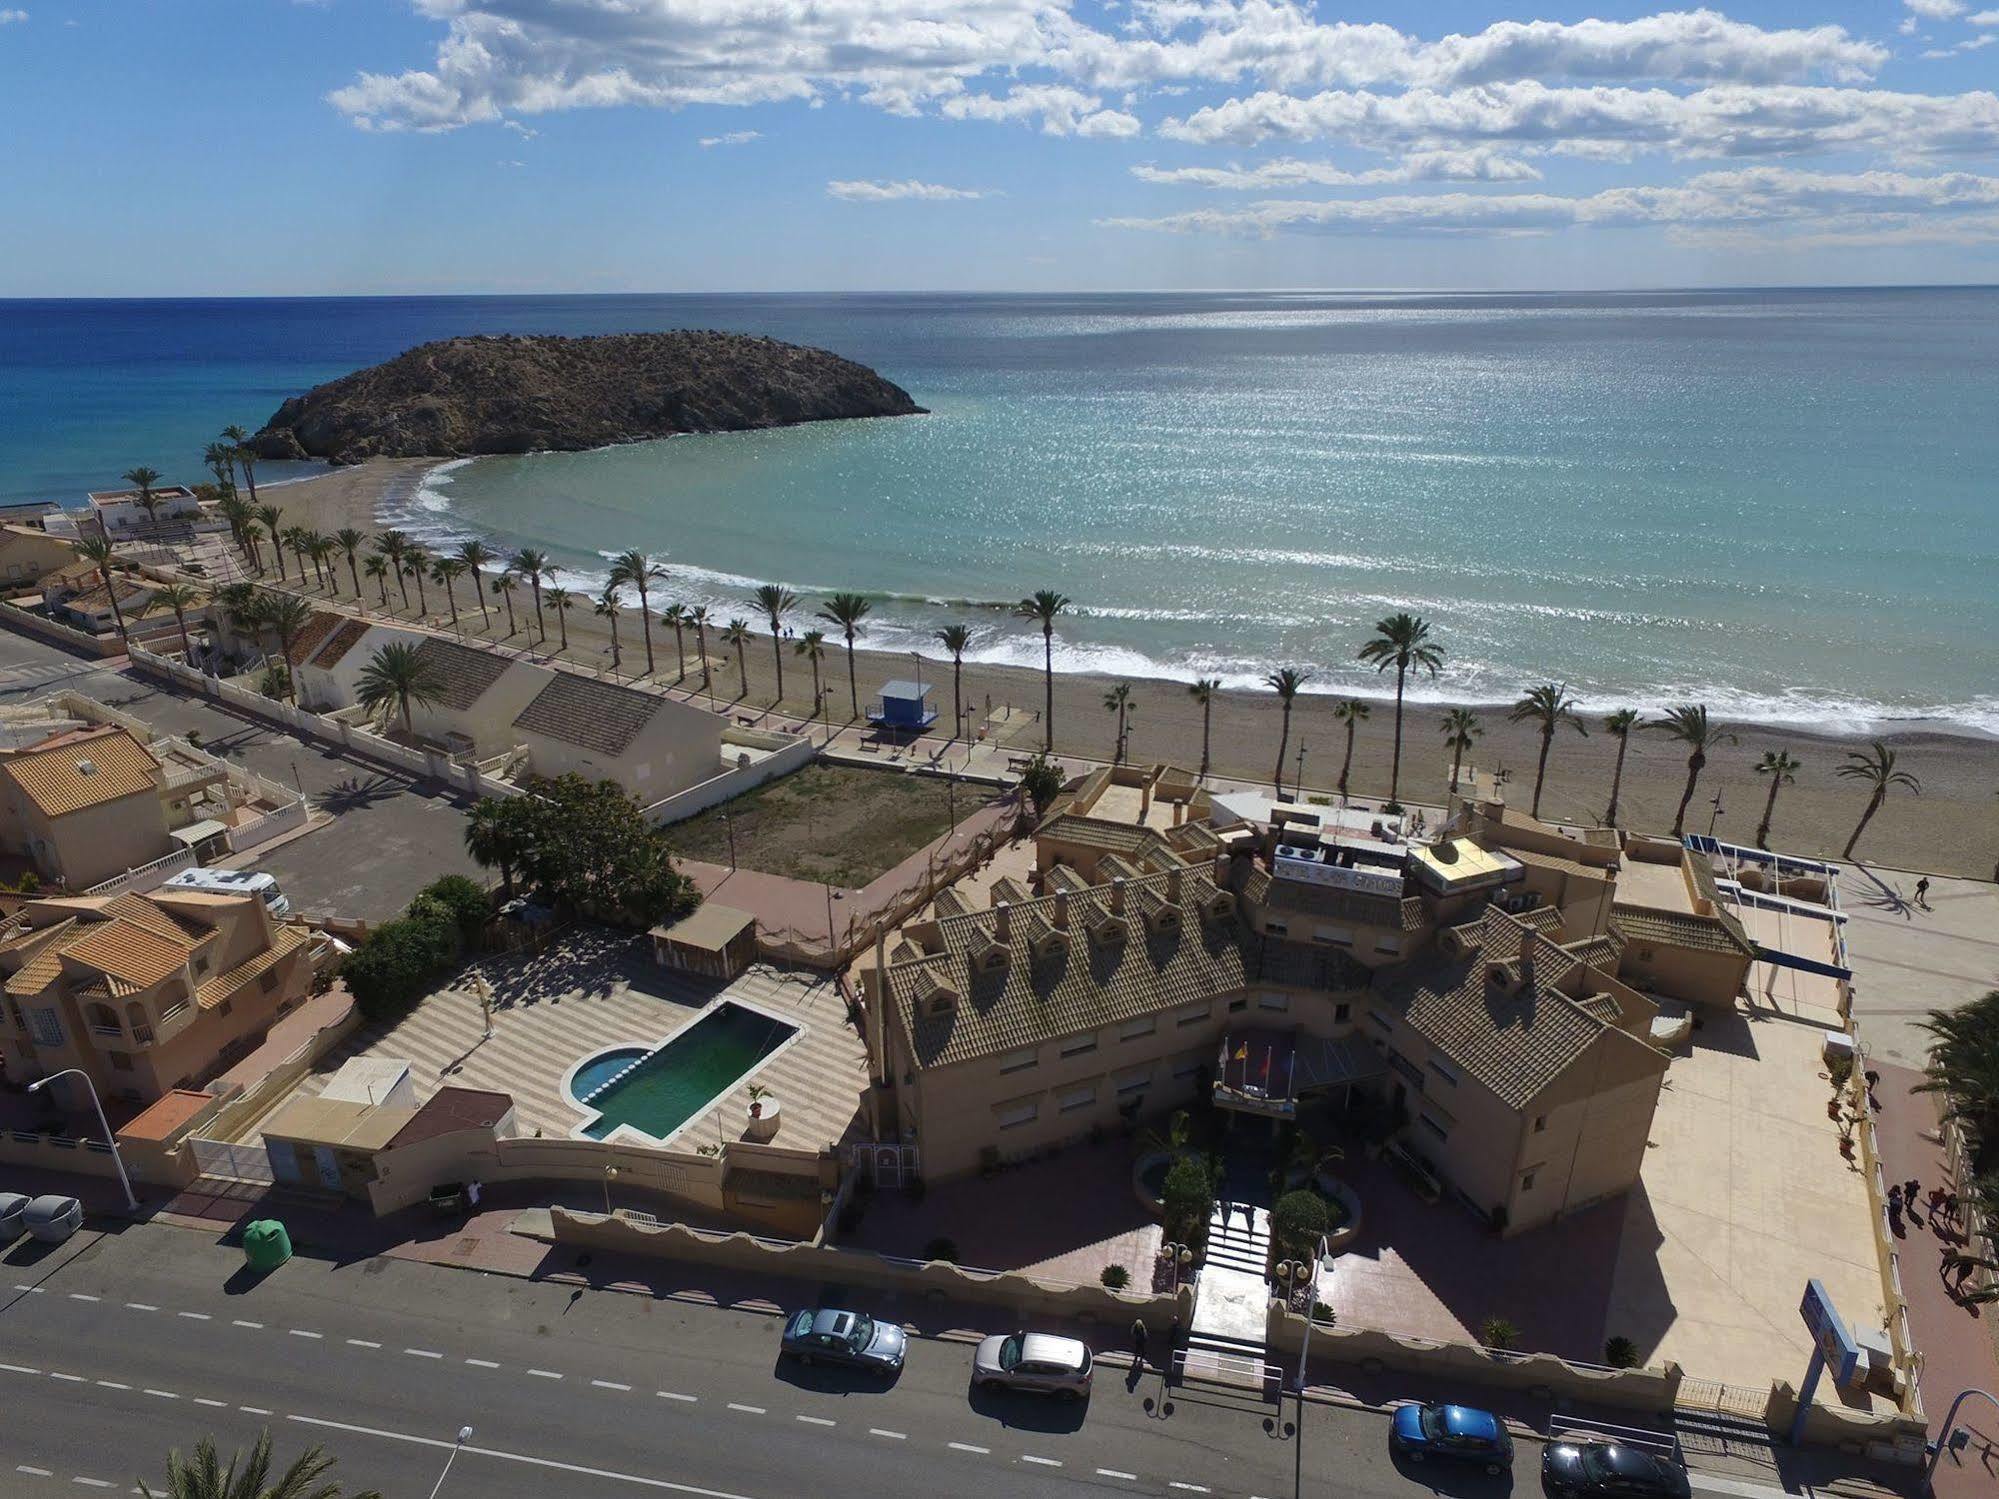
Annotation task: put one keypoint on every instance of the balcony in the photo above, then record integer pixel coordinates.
(108, 1032)
(143, 1034)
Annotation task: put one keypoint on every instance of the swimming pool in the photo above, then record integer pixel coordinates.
(653, 1091)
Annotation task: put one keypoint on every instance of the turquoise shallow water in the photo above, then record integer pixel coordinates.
(1781, 503)
(686, 1075)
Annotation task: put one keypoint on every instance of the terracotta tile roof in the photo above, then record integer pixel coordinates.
(41, 970)
(449, 1110)
(156, 919)
(127, 954)
(1680, 929)
(1601, 952)
(322, 624)
(55, 781)
(1562, 864)
(1404, 915)
(589, 714)
(339, 643)
(463, 674)
(98, 599)
(214, 990)
(1709, 891)
(1097, 832)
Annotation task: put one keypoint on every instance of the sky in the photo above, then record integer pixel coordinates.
(361, 147)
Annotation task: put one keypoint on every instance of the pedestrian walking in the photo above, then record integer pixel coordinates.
(1895, 1210)
(1923, 892)
(1138, 1342)
(1912, 1193)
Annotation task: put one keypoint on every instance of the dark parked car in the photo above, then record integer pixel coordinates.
(1451, 1431)
(835, 1337)
(1610, 1470)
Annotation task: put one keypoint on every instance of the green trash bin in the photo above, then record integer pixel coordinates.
(266, 1245)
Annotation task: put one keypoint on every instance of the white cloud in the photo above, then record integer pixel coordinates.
(1983, 18)
(1057, 109)
(890, 192)
(1936, 10)
(1906, 26)
(732, 138)
(1969, 44)
(1478, 165)
(12, 17)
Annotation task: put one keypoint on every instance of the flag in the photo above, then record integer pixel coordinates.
(1241, 1053)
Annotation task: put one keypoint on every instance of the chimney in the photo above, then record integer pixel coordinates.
(1173, 891)
(1002, 922)
(1061, 910)
(1527, 942)
(1117, 896)
(877, 1039)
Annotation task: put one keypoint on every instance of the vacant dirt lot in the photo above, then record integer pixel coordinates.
(829, 823)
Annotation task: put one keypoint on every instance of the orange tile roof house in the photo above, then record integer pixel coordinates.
(84, 806)
(145, 993)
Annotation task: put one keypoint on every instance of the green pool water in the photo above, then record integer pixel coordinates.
(689, 1073)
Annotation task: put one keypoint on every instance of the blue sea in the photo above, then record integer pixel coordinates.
(1782, 503)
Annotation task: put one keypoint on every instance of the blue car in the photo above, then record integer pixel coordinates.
(1451, 1431)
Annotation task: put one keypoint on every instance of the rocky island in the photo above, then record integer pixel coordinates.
(463, 397)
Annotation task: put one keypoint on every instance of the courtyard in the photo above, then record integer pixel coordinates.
(831, 824)
(593, 989)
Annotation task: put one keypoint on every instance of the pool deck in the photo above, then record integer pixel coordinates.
(558, 1008)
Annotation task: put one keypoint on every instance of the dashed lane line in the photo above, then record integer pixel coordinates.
(1117, 1473)
(1191, 1488)
(543, 1374)
(676, 1395)
(422, 1353)
(33, 1472)
(161, 1394)
(240, 1322)
(1042, 1462)
(94, 1483)
(82, 1296)
(362, 1343)
(217, 1404)
(969, 1447)
(893, 1436)
(140, 1306)
(482, 1363)
(816, 1420)
(112, 1384)
(609, 1384)
(70, 1378)
(195, 1316)
(253, 1410)
(748, 1410)
(300, 1332)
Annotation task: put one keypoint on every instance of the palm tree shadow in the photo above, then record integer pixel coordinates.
(355, 794)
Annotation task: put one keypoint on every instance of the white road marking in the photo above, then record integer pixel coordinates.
(69, 1378)
(641, 1480)
(239, 1322)
(112, 1384)
(19, 1369)
(94, 1483)
(1192, 1488)
(300, 1332)
(1117, 1473)
(609, 1384)
(362, 1343)
(33, 1472)
(968, 1447)
(893, 1436)
(816, 1420)
(195, 1316)
(163, 1394)
(253, 1410)
(482, 1363)
(1046, 1462)
(675, 1395)
(31, 1290)
(80, 1296)
(422, 1353)
(218, 1404)
(544, 1374)
(748, 1410)
(140, 1306)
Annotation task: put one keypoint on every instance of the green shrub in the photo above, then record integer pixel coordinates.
(1323, 1314)
(1115, 1277)
(464, 898)
(1621, 1353)
(1497, 1332)
(400, 961)
(1187, 1199)
(1296, 1224)
(942, 1249)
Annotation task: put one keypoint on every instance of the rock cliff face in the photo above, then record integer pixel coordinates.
(466, 396)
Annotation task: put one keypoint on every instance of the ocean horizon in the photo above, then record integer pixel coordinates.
(1775, 501)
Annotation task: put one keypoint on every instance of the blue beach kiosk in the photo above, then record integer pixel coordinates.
(903, 708)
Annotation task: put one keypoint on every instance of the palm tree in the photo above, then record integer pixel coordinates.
(847, 610)
(237, 511)
(532, 564)
(1204, 690)
(273, 519)
(1874, 765)
(1782, 769)
(397, 675)
(395, 546)
(641, 571)
(698, 617)
(776, 601)
(955, 639)
(325, 549)
(180, 598)
(811, 644)
(1401, 641)
(235, 437)
(377, 567)
(204, 1477)
(145, 478)
(287, 614)
(415, 559)
(1285, 682)
(1353, 712)
(504, 585)
(1460, 729)
(221, 460)
(447, 571)
(1042, 606)
(475, 554)
(295, 538)
(1550, 706)
(1118, 701)
(246, 456)
(738, 635)
(351, 541)
(97, 551)
(561, 600)
(1689, 724)
(676, 615)
(610, 603)
(1619, 726)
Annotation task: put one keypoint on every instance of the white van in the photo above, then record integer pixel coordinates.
(233, 882)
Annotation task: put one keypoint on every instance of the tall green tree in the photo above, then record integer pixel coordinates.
(144, 479)
(504, 584)
(698, 617)
(1351, 712)
(956, 639)
(477, 557)
(532, 563)
(180, 598)
(1118, 701)
(97, 551)
(377, 568)
(738, 634)
(1782, 769)
(811, 644)
(847, 610)
(1204, 691)
(1688, 724)
(609, 605)
(1285, 682)
(446, 571)
(776, 601)
(246, 457)
(415, 562)
(242, 525)
(1875, 768)
(274, 522)
(1460, 727)
(398, 675)
(395, 545)
(203, 1476)
(287, 615)
(1042, 607)
(676, 615)
(220, 459)
(1403, 642)
(1549, 707)
(641, 572)
(1619, 726)
(350, 541)
(561, 600)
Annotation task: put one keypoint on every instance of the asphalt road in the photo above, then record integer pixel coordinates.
(389, 836)
(117, 1348)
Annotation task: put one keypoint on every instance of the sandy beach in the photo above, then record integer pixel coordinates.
(1951, 828)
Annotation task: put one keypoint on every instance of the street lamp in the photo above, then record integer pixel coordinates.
(610, 1175)
(464, 1436)
(1309, 1275)
(131, 1202)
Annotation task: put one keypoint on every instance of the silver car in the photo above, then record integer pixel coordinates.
(1036, 1361)
(12, 1206)
(52, 1219)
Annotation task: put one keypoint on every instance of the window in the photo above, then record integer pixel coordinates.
(1189, 1066)
(1410, 1072)
(1433, 1126)
(201, 965)
(1135, 1080)
(1133, 1029)
(1342, 1013)
(1540, 1123)
(1269, 1001)
(1192, 1015)
(120, 1062)
(1020, 1111)
(1019, 1061)
(1380, 1021)
(1275, 929)
(1077, 1046)
(225, 1007)
(1078, 1098)
(45, 1026)
(1527, 1180)
(1238, 1004)
(269, 980)
(1448, 1074)
(1388, 945)
(1334, 936)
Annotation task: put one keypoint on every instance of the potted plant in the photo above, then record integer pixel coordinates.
(758, 1093)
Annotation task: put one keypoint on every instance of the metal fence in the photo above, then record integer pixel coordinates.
(225, 1161)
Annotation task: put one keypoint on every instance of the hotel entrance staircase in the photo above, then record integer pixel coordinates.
(1226, 1343)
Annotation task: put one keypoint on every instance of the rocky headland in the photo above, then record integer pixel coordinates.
(463, 397)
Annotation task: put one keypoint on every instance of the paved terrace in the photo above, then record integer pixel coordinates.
(595, 990)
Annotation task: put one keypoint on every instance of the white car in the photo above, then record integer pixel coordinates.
(52, 1219)
(12, 1206)
(1036, 1361)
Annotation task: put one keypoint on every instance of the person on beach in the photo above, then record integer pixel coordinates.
(1923, 892)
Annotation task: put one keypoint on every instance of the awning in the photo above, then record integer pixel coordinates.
(197, 833)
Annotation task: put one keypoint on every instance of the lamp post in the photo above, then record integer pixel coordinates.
(1714, 816)
(1949, 1426)
(1305, 1354)
(464, 1436)
(610, 1175)
(131, 1202)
